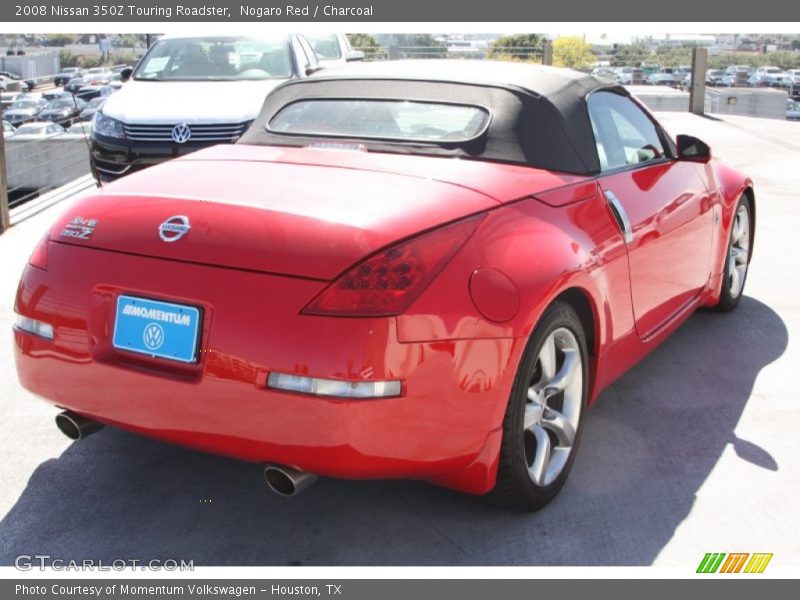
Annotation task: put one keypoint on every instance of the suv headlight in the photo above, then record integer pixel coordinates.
(107, 126)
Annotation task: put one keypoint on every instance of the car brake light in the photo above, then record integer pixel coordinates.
(38, 258)
(388, 281)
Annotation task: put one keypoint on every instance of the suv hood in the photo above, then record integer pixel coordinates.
(191, 102)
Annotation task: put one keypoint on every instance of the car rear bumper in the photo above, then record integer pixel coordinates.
(444, 428)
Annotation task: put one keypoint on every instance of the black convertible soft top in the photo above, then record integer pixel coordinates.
(538, 113)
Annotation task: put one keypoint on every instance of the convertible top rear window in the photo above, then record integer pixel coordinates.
(381, 119)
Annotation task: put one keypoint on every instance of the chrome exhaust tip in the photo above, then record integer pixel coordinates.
(76, 427)
(286, 481)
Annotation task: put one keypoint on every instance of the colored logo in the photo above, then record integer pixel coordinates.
(181, 133)
(153, 336)
(174, 228)
(734, 562)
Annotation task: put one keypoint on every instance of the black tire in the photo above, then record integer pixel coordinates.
(727, 300)
(514, 487)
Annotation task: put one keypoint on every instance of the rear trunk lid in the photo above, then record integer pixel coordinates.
(301, 212)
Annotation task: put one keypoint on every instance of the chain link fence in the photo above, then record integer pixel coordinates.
(39, 155)
(531, 54)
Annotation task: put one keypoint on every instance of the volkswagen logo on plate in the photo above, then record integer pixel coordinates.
(153, 336)
(174, 228)
(181, 133)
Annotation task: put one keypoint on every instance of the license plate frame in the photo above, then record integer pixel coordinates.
(157, 328)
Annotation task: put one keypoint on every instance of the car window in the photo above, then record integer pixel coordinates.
(382, 119)
(326, 46)
(624, 134)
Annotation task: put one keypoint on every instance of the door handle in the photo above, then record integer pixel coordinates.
(620, 215)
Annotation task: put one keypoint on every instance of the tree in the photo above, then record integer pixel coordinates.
(67, 59)
(521, 46)
(572, 52)
(59, 39)
(367, 44)
(131, 40)
(674, 56)
(421, 45)
(783, 59)
(632, 55)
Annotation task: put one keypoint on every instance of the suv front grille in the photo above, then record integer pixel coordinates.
(218, 132)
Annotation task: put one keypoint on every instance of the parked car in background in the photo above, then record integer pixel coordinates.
(767, 77)
(793, 110)
(87, 114)
(426, 270)
(66, 74)
(80, 130)
(98, 76)
(24, 110)
(62, 111)
(7, 78)
(333, 49)
(8, 129)
(38, 130)
(623, 75)
(74, 84)
(605, 72)
(89, 92)
(189, 92)
(737, 75)
(714, 77)
(56, 94)
(791, 79)
(8, 98)
(669, 76)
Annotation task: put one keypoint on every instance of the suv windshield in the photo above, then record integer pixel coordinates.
(381, 119)
(216, 59)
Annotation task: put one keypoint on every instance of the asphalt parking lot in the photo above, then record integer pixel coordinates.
(696, 450)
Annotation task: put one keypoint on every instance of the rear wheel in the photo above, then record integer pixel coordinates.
(737, 257)
(542, 425)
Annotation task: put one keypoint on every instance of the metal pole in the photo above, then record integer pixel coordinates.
(697, 90)
(5, 219)
(547, 53)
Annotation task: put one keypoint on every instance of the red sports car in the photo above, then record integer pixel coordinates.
(419, 270)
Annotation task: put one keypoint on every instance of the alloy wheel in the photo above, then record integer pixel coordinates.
(739, 251)
(553, 407)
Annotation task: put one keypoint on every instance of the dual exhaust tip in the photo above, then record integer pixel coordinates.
(284, 481)
(76, 427)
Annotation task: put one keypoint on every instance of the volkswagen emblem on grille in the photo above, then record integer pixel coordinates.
(181, 133)
(153, 336)
(174, 228)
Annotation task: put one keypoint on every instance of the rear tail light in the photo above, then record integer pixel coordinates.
(39, 257)
(387, 282)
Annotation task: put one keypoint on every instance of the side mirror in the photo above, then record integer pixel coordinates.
(692, 149)
(311, 69)
(126, 73)
(355, 55)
